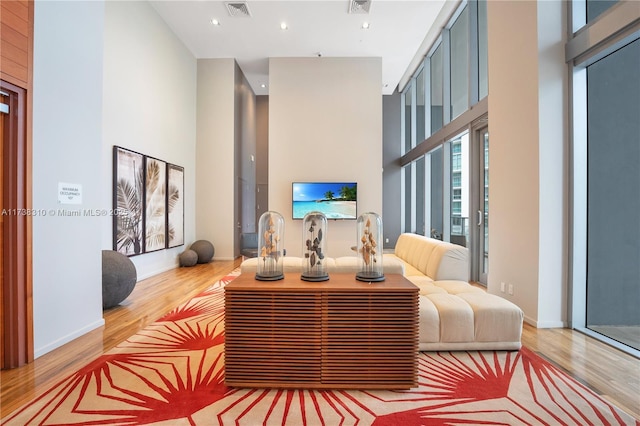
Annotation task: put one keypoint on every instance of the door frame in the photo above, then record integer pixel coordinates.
(17, 308)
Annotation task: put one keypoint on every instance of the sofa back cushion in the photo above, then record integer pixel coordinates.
(436, 259)
(449, 262)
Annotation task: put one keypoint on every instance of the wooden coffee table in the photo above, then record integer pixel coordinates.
(338, 334)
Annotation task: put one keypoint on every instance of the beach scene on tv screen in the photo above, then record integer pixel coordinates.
(337, 200)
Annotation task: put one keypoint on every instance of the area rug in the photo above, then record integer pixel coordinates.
(172, 373)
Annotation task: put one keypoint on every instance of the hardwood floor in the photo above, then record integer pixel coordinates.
(150, 299)
(608, 371)
(613, 374)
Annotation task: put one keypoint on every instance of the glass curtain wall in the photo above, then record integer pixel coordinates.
(415, 119)
(408, 117)
(606, 179)
(483, 43)
(421, 120)
(460, 189)
(595, 8)
(437, 89)
(407, 172)
(483, 246)
(435, 160)
(613, 176)
(421, 113)
(452, 79)
(459, 57)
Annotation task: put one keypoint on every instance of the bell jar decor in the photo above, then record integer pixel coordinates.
(314, 233)
(370, 266)
(270, 241)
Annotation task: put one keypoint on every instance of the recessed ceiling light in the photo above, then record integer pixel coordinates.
(263, 85)
(365, 25)
(214, 21)
(284, 26)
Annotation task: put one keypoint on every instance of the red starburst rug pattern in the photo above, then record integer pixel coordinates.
(172, 373)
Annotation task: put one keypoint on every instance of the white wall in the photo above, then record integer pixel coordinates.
(215, 155)
(554, 195)
(527, 139)
(104, 74)
(149, 107)
(325, 124)
(67, 147)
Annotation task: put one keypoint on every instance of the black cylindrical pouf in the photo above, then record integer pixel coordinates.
(119, 277)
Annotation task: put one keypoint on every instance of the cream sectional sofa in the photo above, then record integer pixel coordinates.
(453, 314)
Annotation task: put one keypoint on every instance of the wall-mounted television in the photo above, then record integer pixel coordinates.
(337, 200)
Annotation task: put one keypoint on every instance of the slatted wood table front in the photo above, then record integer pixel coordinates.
(338, 334)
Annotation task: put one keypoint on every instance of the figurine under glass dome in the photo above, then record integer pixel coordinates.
(314, 234)
(270, 252)
(370, 267)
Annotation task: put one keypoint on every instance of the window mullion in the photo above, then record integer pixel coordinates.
(446, 76)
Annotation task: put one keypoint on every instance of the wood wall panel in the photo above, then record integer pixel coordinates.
(14, 60)
(16, 33)
(18, 8)
(13, 72)
(14, 53)
(10, 35)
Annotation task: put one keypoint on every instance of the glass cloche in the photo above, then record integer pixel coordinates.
(370, 266)
(314, 235)
(270, 251)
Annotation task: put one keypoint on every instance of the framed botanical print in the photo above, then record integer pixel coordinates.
(175, 206)
(128, 202)
(155, 219)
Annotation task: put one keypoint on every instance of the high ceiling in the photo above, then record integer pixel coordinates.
(397, 30)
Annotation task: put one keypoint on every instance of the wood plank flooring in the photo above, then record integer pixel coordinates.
(150, 299)
(608, 371)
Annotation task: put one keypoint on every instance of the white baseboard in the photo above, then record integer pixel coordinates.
(157, 271)
(170, 267)
(38, 352)
(545, 324)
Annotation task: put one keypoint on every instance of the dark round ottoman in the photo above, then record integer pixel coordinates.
(119, 277)
(204, 249)
(188, 258)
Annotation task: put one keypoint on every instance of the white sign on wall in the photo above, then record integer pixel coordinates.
(69, 193)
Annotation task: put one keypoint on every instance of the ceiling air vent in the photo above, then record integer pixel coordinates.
(238, 9)
(359, 6)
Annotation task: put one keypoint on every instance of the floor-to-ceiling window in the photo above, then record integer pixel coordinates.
(421, 127)
(408, 115)
(441, 105)
(605, 65)
(460, 189)
(480, 261)
(436, 89)
(482, 56)
(459, 60)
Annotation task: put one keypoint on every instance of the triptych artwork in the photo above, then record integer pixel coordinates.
(148, 201)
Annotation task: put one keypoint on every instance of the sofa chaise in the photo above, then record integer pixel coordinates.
(455, 315)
